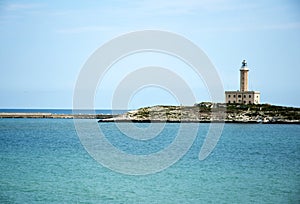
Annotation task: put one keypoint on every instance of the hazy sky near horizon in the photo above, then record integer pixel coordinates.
(44, 45)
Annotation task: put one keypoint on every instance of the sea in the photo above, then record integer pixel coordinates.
(44, 161)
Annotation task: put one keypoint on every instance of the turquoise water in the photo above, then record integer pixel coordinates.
(43, 161)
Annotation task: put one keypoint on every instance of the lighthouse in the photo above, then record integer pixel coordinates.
(244, 76)
(243, 96)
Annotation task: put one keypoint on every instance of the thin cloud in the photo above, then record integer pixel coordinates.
(83, 29)
(15, 7)
(191, 6)
(285, 26)
(266, 27)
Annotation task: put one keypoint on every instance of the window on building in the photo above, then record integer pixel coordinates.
(228, 101)
(249, 102)
(245, 96)
(233, 96)
(239, 96)
(245, 102)
(239, 101)
(249, 96)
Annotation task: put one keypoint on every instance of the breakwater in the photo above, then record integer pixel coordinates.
(58, 116)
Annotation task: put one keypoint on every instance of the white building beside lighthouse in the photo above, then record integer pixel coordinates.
(243, 96)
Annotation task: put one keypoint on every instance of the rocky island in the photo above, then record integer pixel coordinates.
(207, 112)
(204, 112)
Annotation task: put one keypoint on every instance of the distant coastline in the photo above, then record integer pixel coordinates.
(61, 111)
(55, 115)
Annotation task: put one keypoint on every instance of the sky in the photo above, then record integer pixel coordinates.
(44, 45)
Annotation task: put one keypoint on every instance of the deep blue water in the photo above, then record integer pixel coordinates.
(42, 160)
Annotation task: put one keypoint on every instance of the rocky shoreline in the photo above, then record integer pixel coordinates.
(204, 112)
(207, 112)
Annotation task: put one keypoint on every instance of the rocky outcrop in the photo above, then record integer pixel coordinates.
(265, 113)
(212, 112)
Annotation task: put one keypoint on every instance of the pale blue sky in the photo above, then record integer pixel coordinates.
(44, 44)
